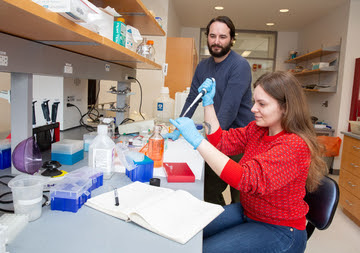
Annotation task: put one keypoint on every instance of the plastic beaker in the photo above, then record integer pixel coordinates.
(27, 194)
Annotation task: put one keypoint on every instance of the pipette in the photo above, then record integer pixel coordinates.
(201, 93)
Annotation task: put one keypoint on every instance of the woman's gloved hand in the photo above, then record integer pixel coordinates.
(188, 129)
(174, 135)
(210, 86)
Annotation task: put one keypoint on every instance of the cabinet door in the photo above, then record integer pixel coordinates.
(181, 57)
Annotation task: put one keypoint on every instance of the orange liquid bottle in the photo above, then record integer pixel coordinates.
(156, 147)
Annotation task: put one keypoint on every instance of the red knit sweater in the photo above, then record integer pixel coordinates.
(271, 176)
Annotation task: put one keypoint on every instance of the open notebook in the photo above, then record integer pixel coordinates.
(176, 215)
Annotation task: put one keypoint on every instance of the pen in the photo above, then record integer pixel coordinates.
(116, 197)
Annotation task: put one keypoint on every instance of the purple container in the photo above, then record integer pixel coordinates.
(26, 156)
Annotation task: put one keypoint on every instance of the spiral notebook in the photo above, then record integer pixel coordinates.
(178, 172)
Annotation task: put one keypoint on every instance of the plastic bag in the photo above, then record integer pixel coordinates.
(331, 145)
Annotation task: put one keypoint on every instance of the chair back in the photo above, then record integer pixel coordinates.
(322, 205)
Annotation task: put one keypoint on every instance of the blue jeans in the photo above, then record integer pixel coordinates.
(233, 232)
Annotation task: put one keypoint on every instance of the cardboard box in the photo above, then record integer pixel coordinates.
(74, 10)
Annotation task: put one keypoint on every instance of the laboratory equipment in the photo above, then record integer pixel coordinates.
(163, 107)
(140, 167)
(201, 93)
(51, 169)
(27, 194)
(101, 152)
(26, 156)
(151, 48)
(71, 194)
(88, 138)
(156, 147)
(180, 99)
(95, 175)
(12, 225)
(119, 31)
(67, 152)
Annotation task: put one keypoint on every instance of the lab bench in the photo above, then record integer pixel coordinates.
(91, 231)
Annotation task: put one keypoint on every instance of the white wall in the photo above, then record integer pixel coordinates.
(286, 42)
(325, 32)
(152, 80)
(351, 43)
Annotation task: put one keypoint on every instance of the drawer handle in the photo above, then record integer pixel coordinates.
(348, 202)
(354, 165)
(351, 184)
(356, 148)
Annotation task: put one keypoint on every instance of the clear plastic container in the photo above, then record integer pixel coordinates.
(156, 147)
(164, 107)
(151, 54)
(27, 194)
(101, 152)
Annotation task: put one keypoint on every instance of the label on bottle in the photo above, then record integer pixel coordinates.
(160, 106)
(103, 159)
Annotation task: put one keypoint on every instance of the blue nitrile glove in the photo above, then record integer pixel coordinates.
(174, 135)
(210, 86)
(187, 128)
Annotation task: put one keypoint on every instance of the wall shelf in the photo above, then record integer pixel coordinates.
(314, 54)
(325, 78)
(26, 19)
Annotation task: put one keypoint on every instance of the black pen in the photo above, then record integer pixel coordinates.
(116, 197)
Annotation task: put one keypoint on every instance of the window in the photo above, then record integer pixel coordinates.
(258, 47)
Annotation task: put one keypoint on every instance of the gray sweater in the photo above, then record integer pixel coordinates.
(233, 96)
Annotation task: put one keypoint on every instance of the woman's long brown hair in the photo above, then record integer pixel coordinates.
(286, 89)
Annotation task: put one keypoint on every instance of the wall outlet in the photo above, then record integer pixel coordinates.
(3, 60)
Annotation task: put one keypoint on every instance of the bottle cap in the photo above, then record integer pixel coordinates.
(150, 42)
(102, 129)
(120, 19)
(164, 90)
(155, 181)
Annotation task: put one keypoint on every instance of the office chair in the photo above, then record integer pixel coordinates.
(322, 205)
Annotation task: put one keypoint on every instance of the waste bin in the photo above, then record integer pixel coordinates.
(331, 147)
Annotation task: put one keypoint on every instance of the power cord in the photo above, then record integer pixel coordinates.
(130, 77)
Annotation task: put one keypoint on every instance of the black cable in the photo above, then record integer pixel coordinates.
(130, 77)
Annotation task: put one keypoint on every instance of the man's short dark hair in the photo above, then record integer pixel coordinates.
(223, 19)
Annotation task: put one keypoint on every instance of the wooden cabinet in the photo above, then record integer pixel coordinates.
(182, 60)
(349, 181)
(321, 79)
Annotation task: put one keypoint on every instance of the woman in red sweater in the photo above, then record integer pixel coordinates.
(281, 160)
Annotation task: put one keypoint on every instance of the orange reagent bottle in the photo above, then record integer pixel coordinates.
(156, 147)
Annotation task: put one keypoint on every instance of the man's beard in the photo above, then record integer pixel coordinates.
(222, 52)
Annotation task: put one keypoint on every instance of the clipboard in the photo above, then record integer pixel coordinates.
(178, 172)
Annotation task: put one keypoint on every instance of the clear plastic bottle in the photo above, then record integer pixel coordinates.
(156, 147)
(151, 54)
(101, 152)
(164, 107)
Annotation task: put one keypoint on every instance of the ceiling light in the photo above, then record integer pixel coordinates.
(219, 8)
(284, 10)
(246, 53)
(270, 24)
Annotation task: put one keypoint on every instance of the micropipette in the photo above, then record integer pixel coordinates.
(201, 93)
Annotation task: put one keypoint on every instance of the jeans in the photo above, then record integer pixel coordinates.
(233, 232)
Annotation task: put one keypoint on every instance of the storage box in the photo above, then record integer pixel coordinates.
(74, 10)
(142, 171)
(95, 175)
(88, 138)
(67, 152)
(5, 154)
(71, 194)
(319, 65)
(355, 127)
